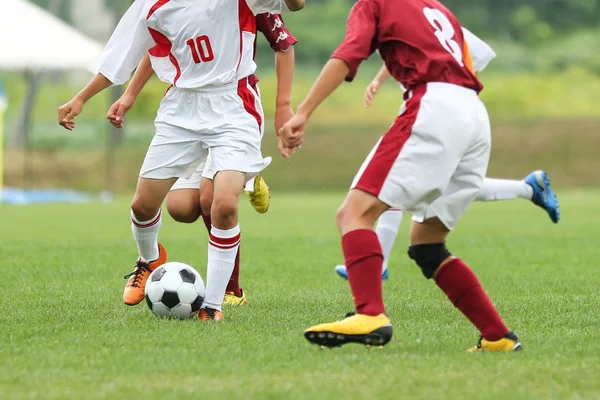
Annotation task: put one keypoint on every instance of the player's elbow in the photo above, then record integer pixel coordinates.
(295, 5)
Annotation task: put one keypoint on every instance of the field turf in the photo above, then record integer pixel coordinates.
(65, 334)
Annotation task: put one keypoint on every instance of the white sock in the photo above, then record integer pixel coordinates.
(146, 236)
(249, 187)
(387, 230)
(504, 189)
(223, 246)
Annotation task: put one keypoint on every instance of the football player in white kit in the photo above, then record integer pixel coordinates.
(204, 49)
(535, 187)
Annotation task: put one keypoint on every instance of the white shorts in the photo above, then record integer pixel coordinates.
(227, 119)
(203, 170)
(432, 161)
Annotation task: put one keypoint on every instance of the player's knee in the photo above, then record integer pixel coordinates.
(143, 211)
(341, 216)
(429, 257)
(185, 213)
(225, 208)
(206, 200)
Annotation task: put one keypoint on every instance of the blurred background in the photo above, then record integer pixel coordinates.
(541, 91)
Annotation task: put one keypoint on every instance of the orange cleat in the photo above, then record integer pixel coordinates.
(136, 283)
(210, 314)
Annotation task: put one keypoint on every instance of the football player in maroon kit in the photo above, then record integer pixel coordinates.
(439, 144)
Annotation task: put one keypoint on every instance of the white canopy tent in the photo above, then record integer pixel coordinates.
(33, 39)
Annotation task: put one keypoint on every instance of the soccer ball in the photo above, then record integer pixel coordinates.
(174, 290)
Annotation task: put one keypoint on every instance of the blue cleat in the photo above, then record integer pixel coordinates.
(543, 196)
(341, 271)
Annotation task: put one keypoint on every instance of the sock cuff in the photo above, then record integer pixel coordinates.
(225, 233)
(146, 224)
(225, 239)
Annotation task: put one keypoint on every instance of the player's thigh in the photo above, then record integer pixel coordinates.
(465, 182)
(412, 163)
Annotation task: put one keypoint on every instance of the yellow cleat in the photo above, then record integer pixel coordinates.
(510, 342)
(231, 299)
(260, 198)
(355, 328)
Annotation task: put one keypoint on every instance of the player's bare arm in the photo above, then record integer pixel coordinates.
(284, 67)
(68, 112)
(373, 87)
(141, 77)
(291, 135)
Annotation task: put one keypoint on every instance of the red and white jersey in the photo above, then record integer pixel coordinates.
(481, 53)
(192, 43)
(420, 41)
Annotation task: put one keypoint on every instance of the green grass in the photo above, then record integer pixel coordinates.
(66, 335)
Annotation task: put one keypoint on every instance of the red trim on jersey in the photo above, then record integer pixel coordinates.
(247, 22)
(249, 100)
(156, 6)
(376, 173)
(163, 49)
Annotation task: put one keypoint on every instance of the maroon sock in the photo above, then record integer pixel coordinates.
(364, 260)
(234, 285)
(463, 289)
(207, 221)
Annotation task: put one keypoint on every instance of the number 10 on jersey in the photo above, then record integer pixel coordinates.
(201, 49)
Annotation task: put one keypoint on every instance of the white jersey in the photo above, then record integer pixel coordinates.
(192, 43)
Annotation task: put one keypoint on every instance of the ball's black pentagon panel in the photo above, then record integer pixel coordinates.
(187, 276)
(196, 304)
(170, 299)
(157, 274)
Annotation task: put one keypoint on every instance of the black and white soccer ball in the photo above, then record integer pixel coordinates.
(174, 290)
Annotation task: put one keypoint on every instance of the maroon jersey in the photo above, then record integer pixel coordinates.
(276, 33)
(420, 41)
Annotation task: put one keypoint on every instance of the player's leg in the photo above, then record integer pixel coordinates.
(535, 187)
(174, 152)
(235, 157)
(224, 239)
(234, 294)
(383, 180)
(387, 228)
(430, 229)
(183, 202)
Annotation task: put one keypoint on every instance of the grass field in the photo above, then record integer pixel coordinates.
(66, 335)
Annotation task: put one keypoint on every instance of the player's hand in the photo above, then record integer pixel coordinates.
(68, 112)
(291, 135)
(282, 114)
(370, 92)
(117, 111)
